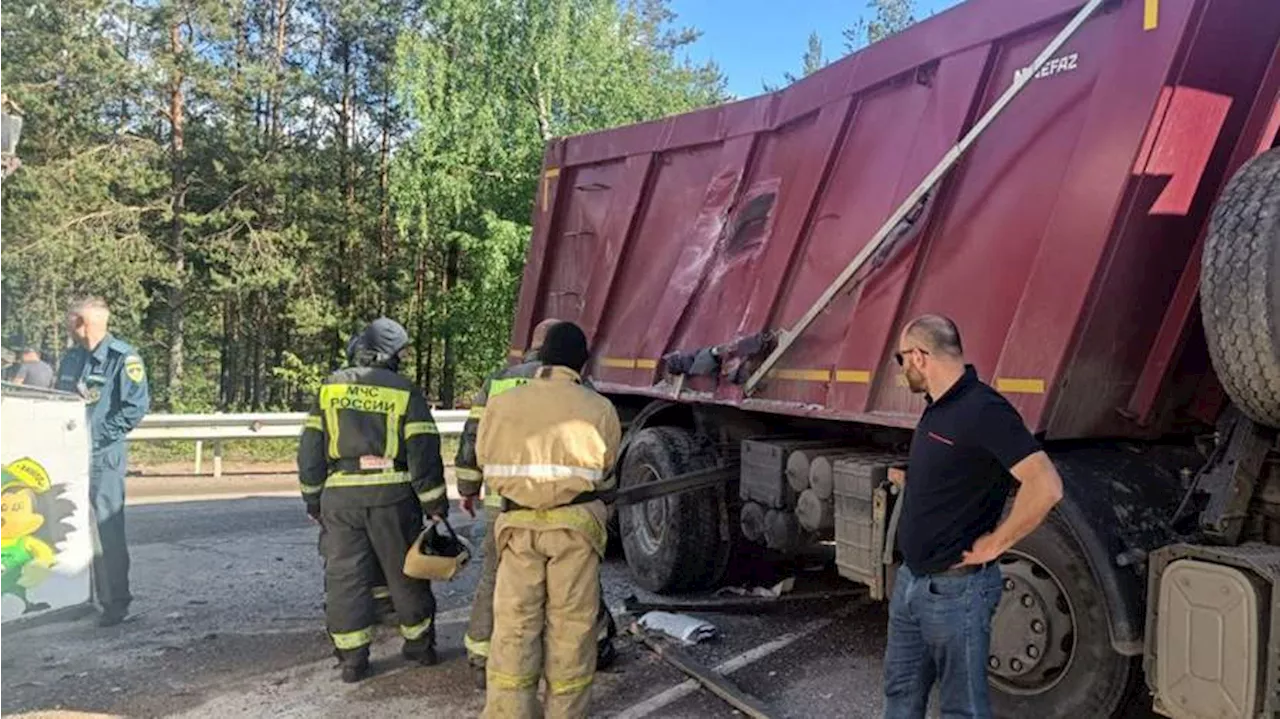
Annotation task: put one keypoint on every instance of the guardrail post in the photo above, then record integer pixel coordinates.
(217, 459)
(199, 455)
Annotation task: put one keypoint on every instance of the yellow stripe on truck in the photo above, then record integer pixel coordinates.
(802, 375)
(1020, 385)
(853, 376)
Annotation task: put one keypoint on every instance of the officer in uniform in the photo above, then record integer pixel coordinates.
(547, 447)
(110, 376)
(470, 482)
(369, 464)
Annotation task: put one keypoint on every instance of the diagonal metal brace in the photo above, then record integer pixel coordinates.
(788, 336)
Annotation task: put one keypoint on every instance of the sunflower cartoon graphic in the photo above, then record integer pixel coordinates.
(33, 523)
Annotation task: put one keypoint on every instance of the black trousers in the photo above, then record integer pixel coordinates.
(357, 542)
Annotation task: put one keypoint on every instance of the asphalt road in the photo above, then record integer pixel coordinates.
(228, 622)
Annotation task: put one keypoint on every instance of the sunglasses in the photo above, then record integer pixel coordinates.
(899, 356)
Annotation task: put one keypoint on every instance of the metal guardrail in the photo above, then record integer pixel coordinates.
(217, 428)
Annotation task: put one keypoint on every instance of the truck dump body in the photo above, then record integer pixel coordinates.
(1065, 244)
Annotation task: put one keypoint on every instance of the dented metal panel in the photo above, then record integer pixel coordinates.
(1060, 243)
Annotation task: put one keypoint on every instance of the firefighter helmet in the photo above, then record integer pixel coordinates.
(437, 555)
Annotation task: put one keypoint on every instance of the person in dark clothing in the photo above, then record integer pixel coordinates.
(381, 594)
(969, 448)
(33, 371)
(370, 469)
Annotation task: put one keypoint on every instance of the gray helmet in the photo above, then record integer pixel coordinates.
(385, 338)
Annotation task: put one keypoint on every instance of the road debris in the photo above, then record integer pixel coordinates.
(681, 627)
(714, 682)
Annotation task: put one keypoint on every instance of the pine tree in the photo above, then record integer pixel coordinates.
(890, 17)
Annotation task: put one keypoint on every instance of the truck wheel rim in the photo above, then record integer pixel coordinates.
(652, 515)
(1033, 634)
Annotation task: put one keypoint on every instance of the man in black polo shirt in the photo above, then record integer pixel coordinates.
(968, 447)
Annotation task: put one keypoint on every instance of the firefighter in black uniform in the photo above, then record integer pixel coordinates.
(370, 468)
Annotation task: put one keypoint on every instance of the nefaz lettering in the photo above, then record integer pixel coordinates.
(362, 399)
(1055, 66)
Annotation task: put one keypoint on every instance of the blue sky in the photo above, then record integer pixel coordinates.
(758, 40)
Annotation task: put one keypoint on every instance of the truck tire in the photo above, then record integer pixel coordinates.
(1052, 603)
(1240, 288)
(671, 544)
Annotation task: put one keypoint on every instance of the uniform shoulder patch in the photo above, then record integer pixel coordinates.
(134, 368)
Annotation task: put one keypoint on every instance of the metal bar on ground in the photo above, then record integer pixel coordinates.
(738, 604)
(689, 482)
(715, 683)
(788, 336)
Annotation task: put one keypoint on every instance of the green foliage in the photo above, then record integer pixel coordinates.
(248, 182)
(890, 17)
(486, 83)
(811, 62)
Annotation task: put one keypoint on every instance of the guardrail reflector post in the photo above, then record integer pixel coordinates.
(199, 456)
(217, 459)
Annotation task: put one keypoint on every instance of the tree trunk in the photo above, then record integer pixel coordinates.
(275, 393)
(343, 286)
(541, 105)
(449, 372)
(127, 54)
(224, 355)
(277, 79)
(259, 339)
(384, 202)
(421, 339)
(177, 319)
(248, 363)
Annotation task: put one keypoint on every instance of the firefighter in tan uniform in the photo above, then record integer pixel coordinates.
(546, 448)
(470, 482)
(369, 464)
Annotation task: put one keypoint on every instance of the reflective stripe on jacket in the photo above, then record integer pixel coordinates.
(466, 468)
(370, 441)
(544, 443)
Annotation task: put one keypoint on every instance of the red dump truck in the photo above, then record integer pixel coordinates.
(1091, 190)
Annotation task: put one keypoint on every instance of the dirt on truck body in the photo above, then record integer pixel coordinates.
(1109, 245)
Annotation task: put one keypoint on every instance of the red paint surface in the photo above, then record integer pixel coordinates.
(1062, 244)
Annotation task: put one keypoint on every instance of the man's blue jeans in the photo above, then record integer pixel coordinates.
(940, 631)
